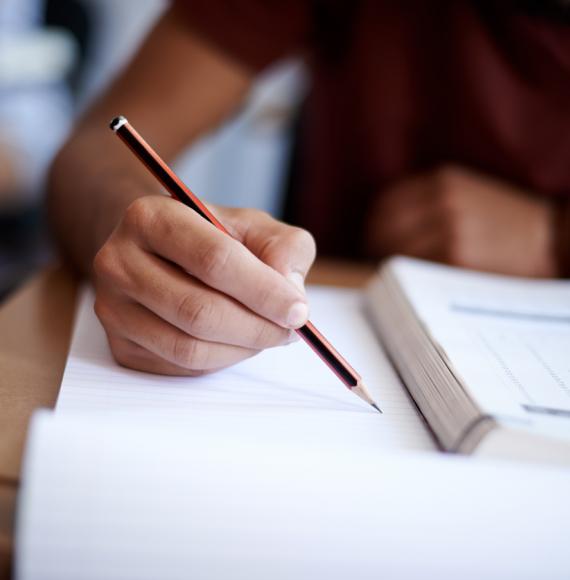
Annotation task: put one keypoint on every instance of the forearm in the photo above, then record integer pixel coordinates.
(92, 182)
(176, 88)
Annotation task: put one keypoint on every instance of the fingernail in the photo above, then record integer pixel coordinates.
(297, 315)
(296, 278)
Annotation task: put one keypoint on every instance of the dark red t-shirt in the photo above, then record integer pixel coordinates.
(403, 86)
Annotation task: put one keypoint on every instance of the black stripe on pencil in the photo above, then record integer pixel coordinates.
(178, 189)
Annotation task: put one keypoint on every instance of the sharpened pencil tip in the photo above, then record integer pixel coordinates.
(361, 391)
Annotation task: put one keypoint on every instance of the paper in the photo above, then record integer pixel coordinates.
(508, 339)
(287, 386)
(120, 498)
(271, 469)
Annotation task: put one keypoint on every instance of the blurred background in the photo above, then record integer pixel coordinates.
(56, 56)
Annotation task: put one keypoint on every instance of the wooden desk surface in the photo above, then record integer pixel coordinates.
(35, 330)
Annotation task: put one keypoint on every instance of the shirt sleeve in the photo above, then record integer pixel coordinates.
(254, 32)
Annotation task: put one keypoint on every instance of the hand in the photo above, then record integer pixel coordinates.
(177, 296)
(465, 219)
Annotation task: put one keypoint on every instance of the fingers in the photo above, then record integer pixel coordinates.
(289, 250)
(177, 233)
(135, 324)
(191, 306)
(177, 296)
(133, 356)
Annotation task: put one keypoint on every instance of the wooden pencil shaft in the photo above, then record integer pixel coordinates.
(176, 187)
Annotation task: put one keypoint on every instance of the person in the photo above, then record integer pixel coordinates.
(437, 130)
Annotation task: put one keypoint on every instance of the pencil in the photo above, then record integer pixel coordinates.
(179, 191)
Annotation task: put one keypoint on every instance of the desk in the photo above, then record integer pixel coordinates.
(35, 329)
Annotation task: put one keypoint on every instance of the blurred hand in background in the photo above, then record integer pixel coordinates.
(461, 217)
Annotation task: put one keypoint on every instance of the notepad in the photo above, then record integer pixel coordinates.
(284, 385)
(131, 498)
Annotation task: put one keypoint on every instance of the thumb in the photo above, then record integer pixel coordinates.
(288, 249)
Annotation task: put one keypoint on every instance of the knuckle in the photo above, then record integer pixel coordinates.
(102, 262)
(104, 313)
(262, 336)
(106, 263)
(121, 353)
(252, 215)
(248, 213)
(305, 240)
(109, 267)
(259, 216)
(243, 218)
(265, 295)
(123, 358)
(213, 260)
(198, 314)
(189, 352)
(140, 214)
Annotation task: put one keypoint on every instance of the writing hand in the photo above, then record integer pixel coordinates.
(177, 296)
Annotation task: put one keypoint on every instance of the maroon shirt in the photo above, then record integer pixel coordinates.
(403, 86)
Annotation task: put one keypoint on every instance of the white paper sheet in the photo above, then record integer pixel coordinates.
(112, 497)
(289, 386)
